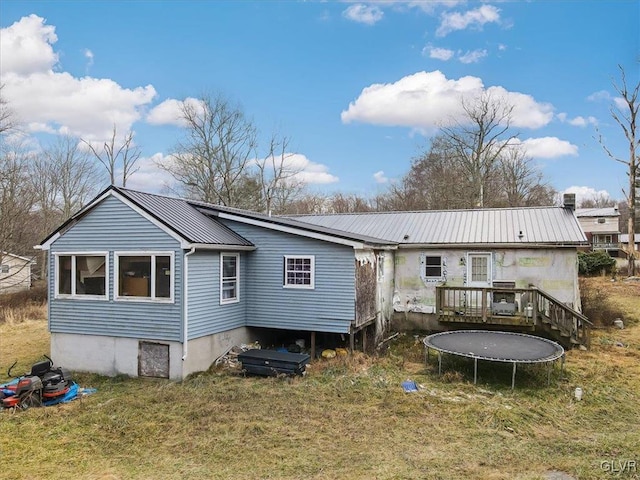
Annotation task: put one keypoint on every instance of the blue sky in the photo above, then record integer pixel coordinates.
(359, 87)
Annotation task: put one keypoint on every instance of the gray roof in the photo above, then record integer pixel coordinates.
(539, 225)
(597, 212)
(297, 223)
(181, 217)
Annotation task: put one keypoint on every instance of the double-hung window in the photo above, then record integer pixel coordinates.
(299, 271)
(144, 276)
(229, 278)
(82, 275)
(433, 267)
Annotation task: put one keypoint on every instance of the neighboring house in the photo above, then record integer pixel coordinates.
(602, 228)
(624, 240)
(149, 285)
(15, 273)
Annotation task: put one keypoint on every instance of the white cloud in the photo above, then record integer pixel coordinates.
(169, 112)
(88, 54)
(310, 172)
(452, 21)
(149, 177)
(380, 177)
(473, 56)
(427, 100)
(502, 47)
(26, 46)
(599, 95)
(51, 100)
(438, 53)
(546, 147)
(369, 15)
(578, 121)
(585, 193)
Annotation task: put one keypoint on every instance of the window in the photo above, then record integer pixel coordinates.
(144, 276)
(81, 275)
(4, 269)
(229, 276)
(602, 220)
(433, 266)
(299, 271)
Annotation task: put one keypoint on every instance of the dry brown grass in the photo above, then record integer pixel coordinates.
(348, 419)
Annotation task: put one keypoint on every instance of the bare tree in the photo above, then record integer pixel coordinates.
(211, 163)
(116, 155)
(478, 140)
(598, 200)
(278, 176)
(627, 118)
(7, 115)
(16, 197)
(522, 183)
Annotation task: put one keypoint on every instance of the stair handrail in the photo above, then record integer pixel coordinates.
(583, 327)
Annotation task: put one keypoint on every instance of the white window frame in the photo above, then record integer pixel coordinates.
(312, 272)
(73, 294)
(236, 299)
(152, 294)
(434, 277)
(4, 268)
(489, 280)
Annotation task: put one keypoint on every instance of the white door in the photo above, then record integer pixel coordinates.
(479, 272)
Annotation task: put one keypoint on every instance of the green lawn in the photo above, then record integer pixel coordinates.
(347, 418)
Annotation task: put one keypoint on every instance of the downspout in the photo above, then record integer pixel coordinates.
(185, 305)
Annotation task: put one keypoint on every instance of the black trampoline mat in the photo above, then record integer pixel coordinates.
(496, 346)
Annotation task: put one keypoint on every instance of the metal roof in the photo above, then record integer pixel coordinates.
(295, 223)
(597, 212)
(181, 217)
(513, 226)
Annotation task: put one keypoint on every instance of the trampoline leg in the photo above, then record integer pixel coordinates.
(439, 363)
(513, 376)
(549, 365)
(561, 366)
(475, 371)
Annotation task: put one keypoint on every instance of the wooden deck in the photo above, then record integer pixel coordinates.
(528, 309)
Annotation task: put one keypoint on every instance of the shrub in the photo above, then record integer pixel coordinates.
(596, 305)
(37, 295)
(593, 263)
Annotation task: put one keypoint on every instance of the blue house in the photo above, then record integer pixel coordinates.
(149, 285)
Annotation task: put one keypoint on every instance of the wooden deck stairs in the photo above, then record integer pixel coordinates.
(521, 309)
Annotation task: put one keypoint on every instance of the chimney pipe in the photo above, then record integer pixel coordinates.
(569, 201)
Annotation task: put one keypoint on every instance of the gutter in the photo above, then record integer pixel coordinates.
(185, 304)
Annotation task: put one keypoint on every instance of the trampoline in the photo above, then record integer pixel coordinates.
(505, 347)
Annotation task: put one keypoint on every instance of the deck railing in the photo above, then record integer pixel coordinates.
(525, 307)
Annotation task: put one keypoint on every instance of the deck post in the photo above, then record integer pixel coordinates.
(313, 345)
(352, 342)
(364, 339)
(484, 305)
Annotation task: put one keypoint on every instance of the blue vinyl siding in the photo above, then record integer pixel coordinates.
(206, 315)
(329, 307)
(111, 227)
